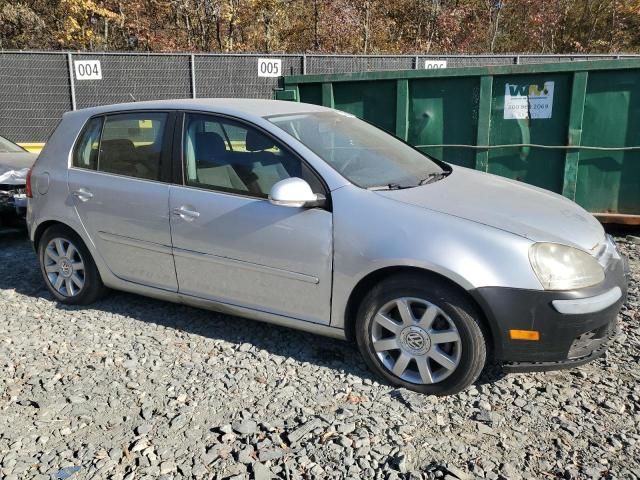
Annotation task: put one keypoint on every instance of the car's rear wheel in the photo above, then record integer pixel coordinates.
(68, 268)
(421, 334)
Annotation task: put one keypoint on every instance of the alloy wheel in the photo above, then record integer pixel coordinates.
(416, 340)
(64, 267)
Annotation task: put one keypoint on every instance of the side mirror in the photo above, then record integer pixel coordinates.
(295, 192)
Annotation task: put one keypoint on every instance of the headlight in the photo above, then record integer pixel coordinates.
(559, 267)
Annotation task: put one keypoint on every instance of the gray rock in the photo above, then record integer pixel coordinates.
(303, 430)
(199, 470)
(485, 429)
(267, 454)
(228, 437)
(226, 428)
(178, 422)
(146, 413)
(246, 427)
(458, 473)
(346, 428)
(633, 239)
(143, 429)
(261, 472)
(115, 454)
(246, 455)
(401, 462)
(520, 402)
(510, 471)
(167, 467)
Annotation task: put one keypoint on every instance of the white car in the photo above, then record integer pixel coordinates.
(15, 162)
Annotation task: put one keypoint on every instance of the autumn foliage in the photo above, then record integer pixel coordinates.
(335, 26)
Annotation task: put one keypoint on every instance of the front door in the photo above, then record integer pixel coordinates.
(231, 244)
(117, 187)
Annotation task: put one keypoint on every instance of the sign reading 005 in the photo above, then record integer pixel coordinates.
(269, 67)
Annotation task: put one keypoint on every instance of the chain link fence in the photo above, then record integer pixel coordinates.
(36, 88)
(34, 93)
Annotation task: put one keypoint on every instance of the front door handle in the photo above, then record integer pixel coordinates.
(83, 194)
(186, 212)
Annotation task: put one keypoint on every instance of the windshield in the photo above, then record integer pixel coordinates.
(365, 155)
(9, 147)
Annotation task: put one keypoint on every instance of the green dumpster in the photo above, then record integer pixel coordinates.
(573, 128)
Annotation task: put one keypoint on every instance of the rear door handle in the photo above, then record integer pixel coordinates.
(83, 194)
(186, 213)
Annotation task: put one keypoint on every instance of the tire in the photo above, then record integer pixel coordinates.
(437, 319)
(80, 280)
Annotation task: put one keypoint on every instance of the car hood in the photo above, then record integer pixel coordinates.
(13, 166)
(531, 212)
(16, 161)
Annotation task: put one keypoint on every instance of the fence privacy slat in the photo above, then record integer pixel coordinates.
(38, 87)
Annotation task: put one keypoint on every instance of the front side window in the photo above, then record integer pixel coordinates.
(131, 144)
(222, 154)
(365, 155)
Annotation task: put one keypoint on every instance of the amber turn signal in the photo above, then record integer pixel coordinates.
(532, 335)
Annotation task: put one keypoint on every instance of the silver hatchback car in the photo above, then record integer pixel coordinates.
(307, 217)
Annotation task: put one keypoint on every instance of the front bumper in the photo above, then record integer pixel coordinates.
(568, 339)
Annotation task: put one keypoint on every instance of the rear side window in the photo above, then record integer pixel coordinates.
(131, 144)
(86, 153)
(124, 144)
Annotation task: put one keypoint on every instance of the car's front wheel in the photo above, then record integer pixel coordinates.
(68, 268)
(421, 334)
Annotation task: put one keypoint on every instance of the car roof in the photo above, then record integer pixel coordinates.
(238, 106)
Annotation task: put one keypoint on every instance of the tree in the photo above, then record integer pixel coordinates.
(20, 26)
(333, 26)
(79, 23)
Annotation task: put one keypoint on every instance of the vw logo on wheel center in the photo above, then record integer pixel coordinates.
(416, 340)
(66, 268)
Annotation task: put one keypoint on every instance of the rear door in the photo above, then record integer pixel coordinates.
(119, 187)
(230, 243)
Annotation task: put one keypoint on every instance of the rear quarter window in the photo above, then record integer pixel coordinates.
(86, 151)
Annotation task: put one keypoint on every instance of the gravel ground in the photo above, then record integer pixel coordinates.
(138, 388)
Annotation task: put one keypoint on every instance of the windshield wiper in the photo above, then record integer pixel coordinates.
(432, 177)
(389, 186)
